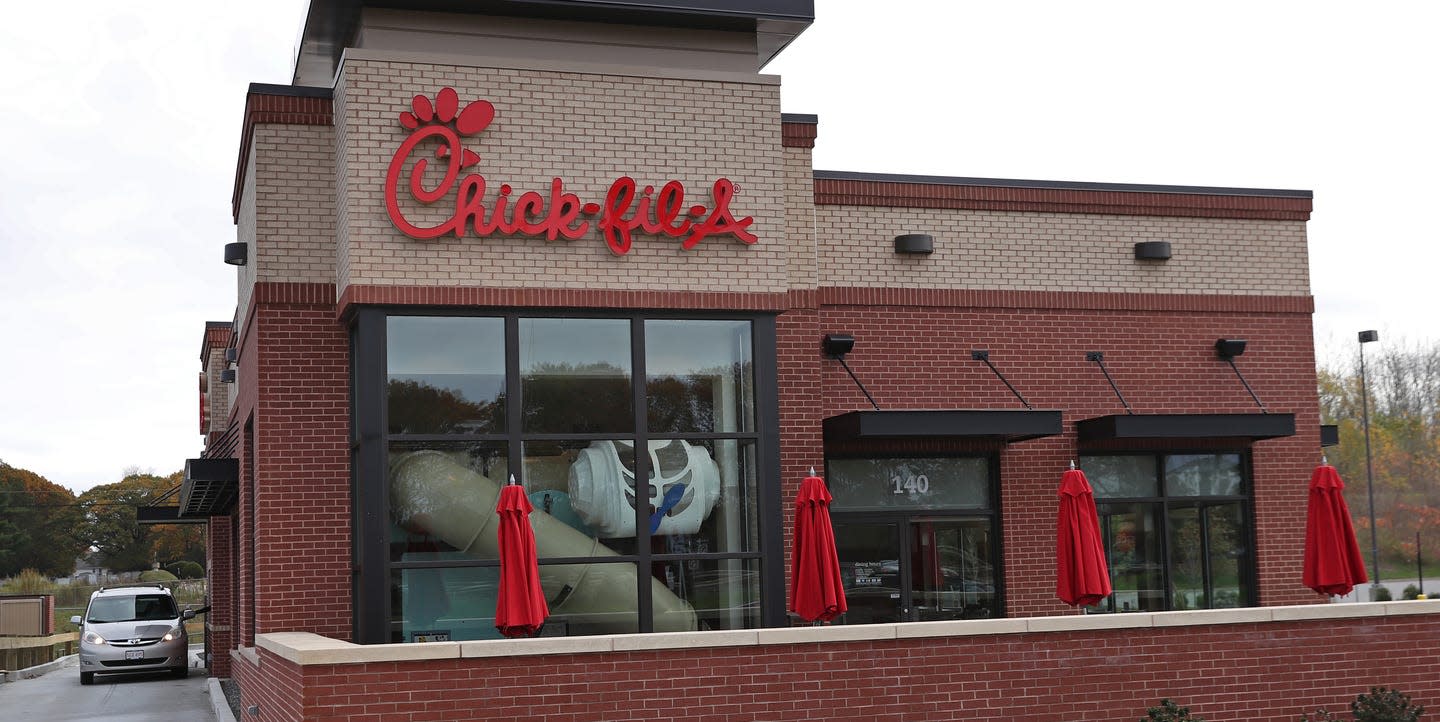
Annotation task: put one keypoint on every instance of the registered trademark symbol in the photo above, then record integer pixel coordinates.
(737, 189)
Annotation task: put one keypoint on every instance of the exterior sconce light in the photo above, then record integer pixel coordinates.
(1229, 348)
(1152, 251)
(915, 243)
(236, 254)
(836, 345)
(227, 376)
(232, 355)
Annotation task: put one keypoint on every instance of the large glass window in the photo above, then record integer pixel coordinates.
(663, 478)
(1176, 530)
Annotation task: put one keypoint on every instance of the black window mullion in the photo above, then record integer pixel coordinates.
(767, 470)
(514, 448)
(645, 606)
(369, 481)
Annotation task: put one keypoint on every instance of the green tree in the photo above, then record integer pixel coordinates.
(38, 524)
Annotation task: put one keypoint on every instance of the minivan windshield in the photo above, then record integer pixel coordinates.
(136, 608)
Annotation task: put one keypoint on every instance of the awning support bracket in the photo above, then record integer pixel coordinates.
(1241, 376)
(984, 355)
(853, 377)
(1099, 358)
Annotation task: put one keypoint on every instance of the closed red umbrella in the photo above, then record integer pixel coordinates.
(1332, 556)
(1081, 576)
(816, 592)
(520, 608)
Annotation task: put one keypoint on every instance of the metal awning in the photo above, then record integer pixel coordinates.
(210, 487)
(165, 515)
(1252, 427)
(1006, 425)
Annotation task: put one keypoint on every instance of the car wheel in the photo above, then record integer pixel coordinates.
(87, 678)
(180, 672)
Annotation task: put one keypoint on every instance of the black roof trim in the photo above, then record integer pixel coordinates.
(293, 91)
(1058, 185)
(1007, 425)
(1253, 427)
(799, 118)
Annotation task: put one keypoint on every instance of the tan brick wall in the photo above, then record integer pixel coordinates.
(218, 396)
(245, 233)
(1061, 251)
(587, 129)
(800, 241)
(295, 192)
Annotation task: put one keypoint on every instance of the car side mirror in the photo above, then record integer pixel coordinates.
(187, 614)
(75, 621)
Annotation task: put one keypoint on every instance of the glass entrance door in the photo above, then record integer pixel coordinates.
(951, 576)
(916, 568)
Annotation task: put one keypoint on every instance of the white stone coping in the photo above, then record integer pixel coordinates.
(559, 66)
(305, 648)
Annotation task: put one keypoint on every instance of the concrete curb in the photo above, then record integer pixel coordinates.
(37, 670)
(218, 702)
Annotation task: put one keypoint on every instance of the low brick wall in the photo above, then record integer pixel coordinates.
(1267, 663)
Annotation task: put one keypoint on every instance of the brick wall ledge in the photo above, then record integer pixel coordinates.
(305, 648)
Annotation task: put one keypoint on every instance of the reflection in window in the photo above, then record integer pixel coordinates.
(721, 593)
(1184, 550)
(699, 376)
(575, 375)
(445, 375)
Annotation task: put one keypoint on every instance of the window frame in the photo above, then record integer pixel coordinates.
(370, 447)
(1162, 504)
(904, 517)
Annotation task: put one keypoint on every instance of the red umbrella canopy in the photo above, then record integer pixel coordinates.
(1081, 576)
(520, 608)
(1332, 557)
(816, 592)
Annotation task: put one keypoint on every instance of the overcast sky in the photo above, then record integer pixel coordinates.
(120, 124)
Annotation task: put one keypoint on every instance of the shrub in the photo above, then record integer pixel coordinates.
(1385, 705)
(1168, 711)
(1378, 705)
(1411, 592)
(28, 581)
(187, 569)
(1382, 594)
(157, 575)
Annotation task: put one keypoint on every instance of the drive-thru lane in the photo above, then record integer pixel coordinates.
(57, 696)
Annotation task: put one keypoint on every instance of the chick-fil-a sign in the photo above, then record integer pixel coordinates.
(554, 214)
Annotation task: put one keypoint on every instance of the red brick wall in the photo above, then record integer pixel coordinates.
(302, 504)
(918, 357)
(220, 620)
(1229, 673)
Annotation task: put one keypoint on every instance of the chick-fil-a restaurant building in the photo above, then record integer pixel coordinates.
(578, 244)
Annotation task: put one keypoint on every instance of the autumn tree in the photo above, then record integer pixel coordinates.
(39, 524)
(126, 545)
(1404, 408)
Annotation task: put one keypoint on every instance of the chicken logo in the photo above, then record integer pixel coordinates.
(559, 214)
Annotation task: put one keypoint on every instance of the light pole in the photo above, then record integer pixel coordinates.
(1367, 337)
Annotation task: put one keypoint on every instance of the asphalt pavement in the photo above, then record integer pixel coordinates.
(57, 696)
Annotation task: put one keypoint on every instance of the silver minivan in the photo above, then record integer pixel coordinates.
(133, 629)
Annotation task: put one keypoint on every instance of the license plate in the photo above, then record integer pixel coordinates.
(134, 654)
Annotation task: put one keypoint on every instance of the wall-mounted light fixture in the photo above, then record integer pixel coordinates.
(1152, 251)
(837, 344)
(232, 354)
(915, 243)
(227, 376)
(237, 254)
(1229, 348)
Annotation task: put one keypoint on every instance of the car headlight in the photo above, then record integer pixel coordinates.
(173, 634)
(92, 638)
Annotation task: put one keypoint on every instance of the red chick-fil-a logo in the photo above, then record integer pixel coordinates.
(554, 215)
